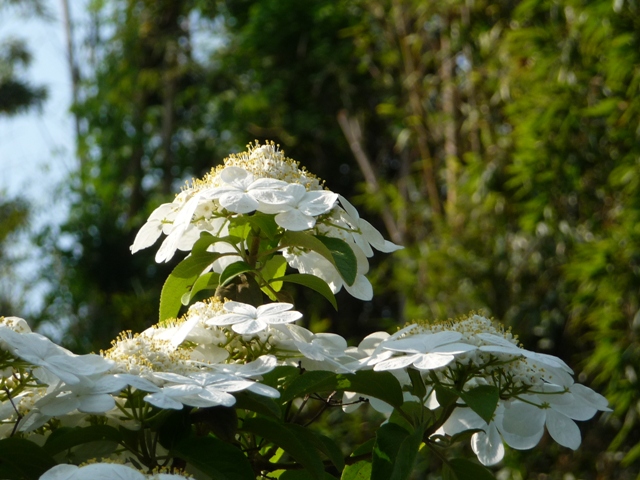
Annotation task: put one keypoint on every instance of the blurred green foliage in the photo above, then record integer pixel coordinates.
(497, 140)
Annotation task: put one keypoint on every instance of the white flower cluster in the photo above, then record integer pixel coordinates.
(263, 180)
(105, 471)
(536, 390)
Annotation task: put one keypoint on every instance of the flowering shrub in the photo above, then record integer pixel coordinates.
(218, 393)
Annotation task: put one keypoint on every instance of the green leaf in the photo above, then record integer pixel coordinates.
(406, 458)
(416, 412)
(233, 271)
(65, 438)
(206, 239)
(280, 377)
(358, 471)
(323, 444)
(257, 403)
(274, 268)
(181, 280)
(21, 459)
(467, 470)
(381, 385)
(343, 257)
(301, 475)
(309, 382)
(337, 252)
(395, 452)
(314, 283)
(389, 437)
(289, 439)
(445, 396)
(418, 387)
(265, 223)
(215, 458)
(175, 426)
(483, 400)
(208, 281)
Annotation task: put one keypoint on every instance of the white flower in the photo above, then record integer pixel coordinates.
(296, 208)
(94, 471)
(426, 351)
(321, 351)
(237, 194)
(201, 389)
(364, 234)
(90, 396)
(246, 319)
(315, 264)
(152, 229)
(39, 350)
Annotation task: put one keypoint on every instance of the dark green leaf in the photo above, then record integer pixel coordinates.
(418, 387)
(322, 443)
(389, 437)
(483, 400)
(175, 427)
(181, 280)
(309, 382)
(258, 403)
(287, 437)
(66, 438)
(343, 257)
(445, 396)
(406, 458)
(301, 475)
(23, 460)
(280, 377)
(215, 458)
(314, 283)
(233, 271)
(381, 385)
(467, 470)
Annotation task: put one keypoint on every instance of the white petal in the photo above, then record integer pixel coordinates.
(238, 202)
(138, 382)
(521, 425)
(396, 362)
(264, 390)
(563, 430)
(284, 317)
(249, 327)
(488, 446)
(590, 397)
(216, 398)
(422, 343)
(162, 401)
(60, 472)
(228, 319)
(431, 361)
(146, 236)
(349, 208)
(272, 308)
(96, 403)
(361, 288)
(295, 221)
(241, 309)
(462, 419)
(317, 202)
(236, 176)
(59, 405)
